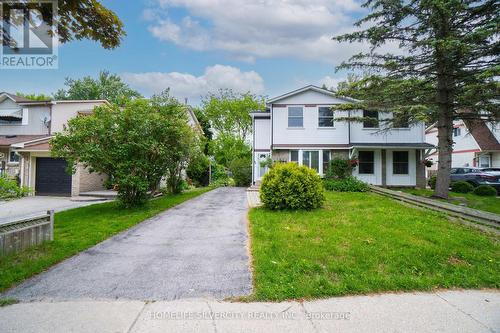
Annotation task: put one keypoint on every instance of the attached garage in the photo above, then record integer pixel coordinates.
(51, 177)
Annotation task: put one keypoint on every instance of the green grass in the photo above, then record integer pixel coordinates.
(78, 229)
(8, 301)
(362, 243)
(488, 204)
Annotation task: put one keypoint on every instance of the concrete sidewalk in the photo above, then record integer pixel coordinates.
(447, 311)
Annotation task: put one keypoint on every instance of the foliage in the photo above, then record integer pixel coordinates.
(198, 169)
(432, 182)
(241, 168)
(221, 182)
(348, 184)
(226, 147)
(485, 191)
(363, 243)
(461, 187)
(78, 229)
(10, 189)
(35, 97)
(229, 113)
(290, 186)
(107, 86)
(448, 63)
(138, 144)
(339, 168)
(205, 126)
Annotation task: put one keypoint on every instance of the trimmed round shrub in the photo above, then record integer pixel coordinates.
(485, 191)
(432, 182)
(290, 186)
(461, 187)
(349, 184)
(241, 168)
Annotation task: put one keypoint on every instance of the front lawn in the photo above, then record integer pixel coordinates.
(363, 243)
(488, 204)
(80, 228)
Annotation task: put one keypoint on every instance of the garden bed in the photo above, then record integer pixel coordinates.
(362, 243)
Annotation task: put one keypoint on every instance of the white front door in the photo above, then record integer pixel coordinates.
(260, 169)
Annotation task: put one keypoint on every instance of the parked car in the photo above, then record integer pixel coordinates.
(491, 169)
(476, 177)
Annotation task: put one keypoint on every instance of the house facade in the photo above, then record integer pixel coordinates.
(476, 144)
(303, 127)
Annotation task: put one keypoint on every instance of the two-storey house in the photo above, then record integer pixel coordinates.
(303, 126)
(26, 127)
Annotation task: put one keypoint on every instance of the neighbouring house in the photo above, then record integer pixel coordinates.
(26, 127)
(476, 144)
(303, 126)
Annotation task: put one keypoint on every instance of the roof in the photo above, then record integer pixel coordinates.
(260, 114)
(7, 140)
(313, 88)
(418, 145)
(482, 134)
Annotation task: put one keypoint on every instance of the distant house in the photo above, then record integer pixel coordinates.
(476, 144)
(26, 127)
(303, 126)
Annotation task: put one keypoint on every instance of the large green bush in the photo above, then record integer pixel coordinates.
(241, 168)
(485, 191)
(9, 188)
(461, 187)
(197, 170)
(290, 186)
(349, 184)
(339, 168)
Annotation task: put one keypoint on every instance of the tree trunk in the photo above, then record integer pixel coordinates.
(445, 148)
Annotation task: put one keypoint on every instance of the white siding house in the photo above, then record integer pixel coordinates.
(303, 126)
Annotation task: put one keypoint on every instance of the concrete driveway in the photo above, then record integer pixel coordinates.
(197, 249)
(33, 205)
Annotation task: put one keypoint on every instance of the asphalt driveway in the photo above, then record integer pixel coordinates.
(197, 249)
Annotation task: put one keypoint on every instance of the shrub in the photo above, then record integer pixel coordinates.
(290, 186)
(241, 168)
(349, 184)
(485, 191)
(223, 182)
(461, 187)
(432, 182)
(339, 168)
(197, 170)
(9, 188)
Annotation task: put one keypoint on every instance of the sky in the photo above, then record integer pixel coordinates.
(193, 47)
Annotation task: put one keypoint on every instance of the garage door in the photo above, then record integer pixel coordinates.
(51, 177)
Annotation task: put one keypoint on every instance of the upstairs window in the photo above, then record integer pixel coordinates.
(295, 116)
(457, 131)
(366, 160)
(325, 116)
(400, 162)
(372, 121)
(401, 121)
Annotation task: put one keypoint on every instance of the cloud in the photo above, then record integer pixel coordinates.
(330, 82)
(185, 85)
(248, 29)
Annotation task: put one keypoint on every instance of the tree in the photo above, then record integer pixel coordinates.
(35, 97)
(78, 19)
(138, 144)
(225, 148)
(446, 69)
(107, 86)
(229, 113)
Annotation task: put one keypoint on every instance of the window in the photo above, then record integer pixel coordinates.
(366, 162)
(310, 158)
(484, 161)
(373, 121)
(401, 121)
(295, 116)
(326, 160)
(457, 131)
(13, 157)
(294, 156)
(400, 162)
(325, 116)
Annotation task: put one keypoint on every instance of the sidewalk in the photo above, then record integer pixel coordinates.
(447, 311)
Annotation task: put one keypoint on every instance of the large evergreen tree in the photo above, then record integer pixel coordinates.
(446, 70)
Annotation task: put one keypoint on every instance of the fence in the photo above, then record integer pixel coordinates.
(18, 235)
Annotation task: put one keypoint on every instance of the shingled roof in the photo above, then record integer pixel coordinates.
(482, 134)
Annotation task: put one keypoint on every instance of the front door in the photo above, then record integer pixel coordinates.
(260, 167)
